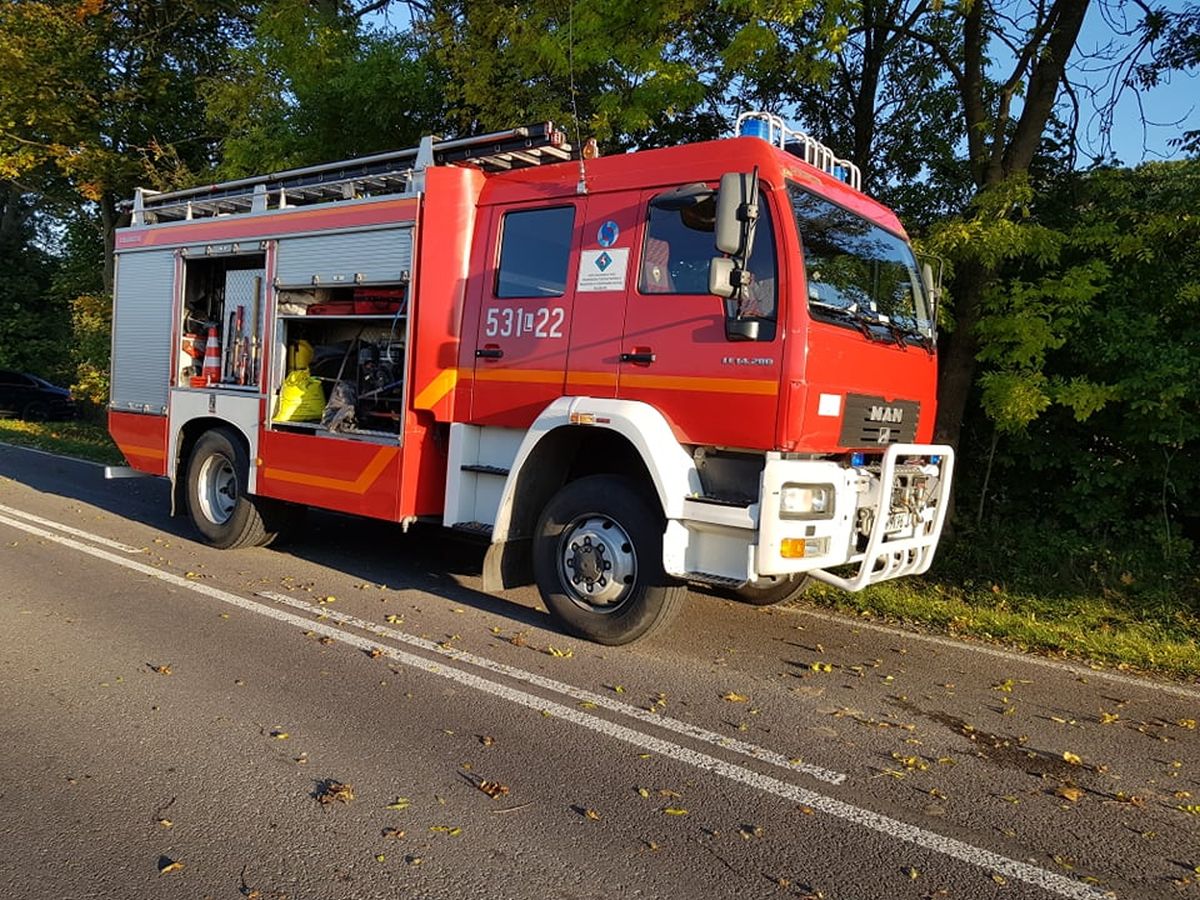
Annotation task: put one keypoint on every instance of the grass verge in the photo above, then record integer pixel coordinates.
(1110, 631)
(83, 440)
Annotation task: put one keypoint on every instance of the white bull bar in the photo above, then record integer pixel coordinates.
(885, 557)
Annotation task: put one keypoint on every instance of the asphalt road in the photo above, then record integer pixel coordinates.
(163, 703)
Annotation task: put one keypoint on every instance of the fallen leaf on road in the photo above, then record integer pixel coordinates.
(999, 879)
(394, 833)
(165, 823)
(592, 814)
(1072, 758)
(1107, 718)
(1189, 724)
(379, 857)
(161, 670)
(325, 639)
(643, 793)
(561, 654)
(487, 740)
(734, 698)
(911, 873)
(750, 831)
(166, 865)
(328, 599)
(493, 789)
(280, 735)
(393, 619)
(452, 830)
(1192, 809)
(399, 803)
(675, 811)
(616, 688)
(821, 667)
(1069, 793)
(334, 791)
(375, 652)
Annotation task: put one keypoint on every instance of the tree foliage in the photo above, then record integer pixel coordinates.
(314, 85)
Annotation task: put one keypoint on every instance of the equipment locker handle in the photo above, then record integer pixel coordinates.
(489, 353)
(642, 357)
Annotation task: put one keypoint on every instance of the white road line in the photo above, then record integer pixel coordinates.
(58, 526)
(62, 456)
(1011, 655)
(569, 690)
(893, 828)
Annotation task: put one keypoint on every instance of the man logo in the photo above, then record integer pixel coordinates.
(885, 435)
(893, 415)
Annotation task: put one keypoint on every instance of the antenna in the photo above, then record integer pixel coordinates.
(580, 188)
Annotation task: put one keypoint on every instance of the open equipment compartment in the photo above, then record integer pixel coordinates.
(363, 352)
(223, 297)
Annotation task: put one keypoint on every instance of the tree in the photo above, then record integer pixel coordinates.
(315, 85)
(105, 94)
(630, 73)
(1090, 359)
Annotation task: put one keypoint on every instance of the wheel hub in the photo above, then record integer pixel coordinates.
(597, 563)
(218, 491)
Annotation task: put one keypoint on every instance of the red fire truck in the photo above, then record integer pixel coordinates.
(708, 363)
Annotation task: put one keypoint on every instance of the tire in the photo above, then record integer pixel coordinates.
(771, 590)
(597, 559)
(37, 411)
(223, 512)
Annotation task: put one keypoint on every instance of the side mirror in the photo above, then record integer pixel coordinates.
(720, 276)
(933, 289)
(737, 208)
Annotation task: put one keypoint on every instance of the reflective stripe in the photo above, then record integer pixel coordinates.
(359, 485)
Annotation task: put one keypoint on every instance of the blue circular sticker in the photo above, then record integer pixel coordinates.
(608, 234)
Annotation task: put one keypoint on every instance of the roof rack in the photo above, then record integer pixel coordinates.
(772, 129)
(393, 172)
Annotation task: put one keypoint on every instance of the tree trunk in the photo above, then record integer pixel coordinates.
(957, 374)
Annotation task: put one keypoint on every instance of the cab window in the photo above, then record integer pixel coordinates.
(535, 249)
(679, 245)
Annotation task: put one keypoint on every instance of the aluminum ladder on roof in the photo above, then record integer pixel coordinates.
(392, 172)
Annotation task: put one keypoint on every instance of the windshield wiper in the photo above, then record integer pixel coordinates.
(861, 320)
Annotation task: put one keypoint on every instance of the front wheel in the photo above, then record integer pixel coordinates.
(221, 509)
(597, 558)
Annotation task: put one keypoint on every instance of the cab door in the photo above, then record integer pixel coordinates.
(607, 263)
(525, 311)
(675, 354)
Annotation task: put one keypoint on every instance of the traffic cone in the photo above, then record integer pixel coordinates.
(212, 357)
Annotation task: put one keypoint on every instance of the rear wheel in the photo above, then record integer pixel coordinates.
(769, 590)
(221, 509)
(597, 558)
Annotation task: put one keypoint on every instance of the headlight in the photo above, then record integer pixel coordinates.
(806, 501)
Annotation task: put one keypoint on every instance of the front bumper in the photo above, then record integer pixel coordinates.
(885, 522)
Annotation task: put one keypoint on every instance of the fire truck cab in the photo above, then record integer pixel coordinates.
(709, 363)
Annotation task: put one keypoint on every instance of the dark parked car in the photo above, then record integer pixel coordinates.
(33, 398)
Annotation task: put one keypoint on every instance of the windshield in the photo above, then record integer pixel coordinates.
(856, 268)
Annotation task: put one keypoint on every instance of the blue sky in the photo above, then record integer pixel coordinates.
(1142, 124)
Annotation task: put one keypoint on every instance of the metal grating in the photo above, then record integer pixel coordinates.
(869, 421)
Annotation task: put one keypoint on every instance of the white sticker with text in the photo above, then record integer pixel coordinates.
(603, 270)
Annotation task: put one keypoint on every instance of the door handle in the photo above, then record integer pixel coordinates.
(489, 353)
(642, 357)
